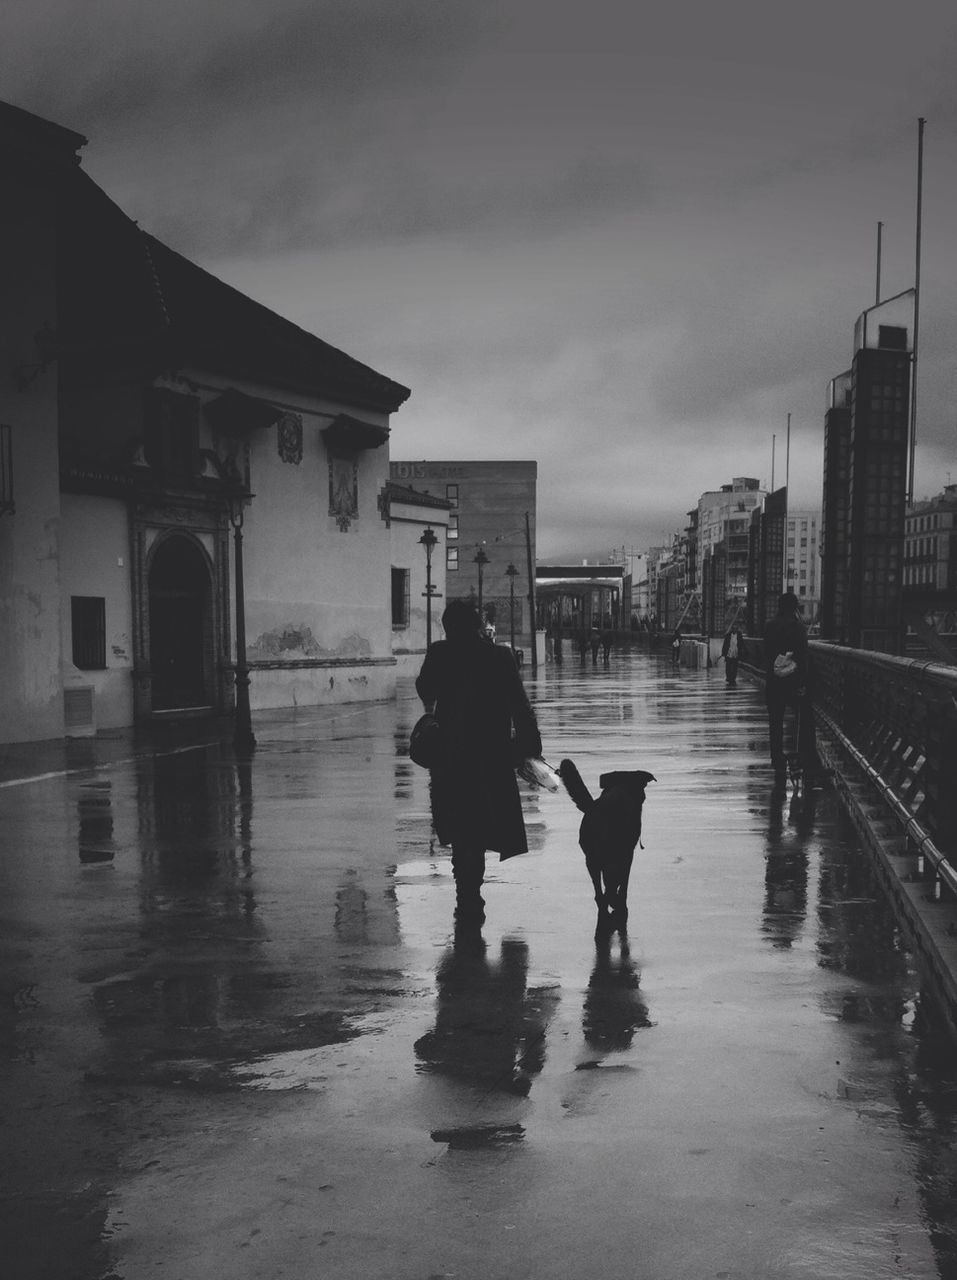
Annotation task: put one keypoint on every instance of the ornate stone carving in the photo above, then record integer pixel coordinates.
(289, 438)
(343, 490)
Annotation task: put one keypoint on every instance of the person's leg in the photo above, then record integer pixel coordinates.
(468, 868)
(807, 741)
(731, 671)
(776, 738)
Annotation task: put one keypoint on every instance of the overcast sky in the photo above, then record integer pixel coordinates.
(623, 239)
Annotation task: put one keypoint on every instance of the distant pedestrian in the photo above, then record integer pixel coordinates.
(594, 641)
(733, 651)
(676, 646)
(607, 640)
(582, 640)
(786, 690)
(487, 727)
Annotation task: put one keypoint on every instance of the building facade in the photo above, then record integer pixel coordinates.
(930, 561)
(866, 482)
(492, 509)
(419, 523)
(803, 561)
(724, 516)
(835, 512)
(160, 423)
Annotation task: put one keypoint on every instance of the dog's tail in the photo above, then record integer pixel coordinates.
(574, 785)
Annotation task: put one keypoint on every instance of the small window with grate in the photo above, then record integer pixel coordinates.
(88, 615)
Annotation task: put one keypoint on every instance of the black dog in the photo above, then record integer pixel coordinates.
(608, 835)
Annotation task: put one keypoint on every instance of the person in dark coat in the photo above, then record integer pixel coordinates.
(733, 651)
(785, 638)
(594, 641)
(487, 728)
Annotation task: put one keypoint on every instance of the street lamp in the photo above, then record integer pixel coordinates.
(511, 573)
(428, 540)
(481, 559)
(243, 738)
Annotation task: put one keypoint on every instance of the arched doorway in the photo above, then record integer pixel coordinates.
(180, 626)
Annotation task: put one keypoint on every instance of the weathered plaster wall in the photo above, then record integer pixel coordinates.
(30, 697)
(94, 561)
(318, 602)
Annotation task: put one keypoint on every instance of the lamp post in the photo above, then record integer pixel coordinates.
(428, 540)
(511, 573)
(481, 559)
(243, 738)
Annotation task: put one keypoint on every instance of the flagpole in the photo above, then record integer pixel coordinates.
(913, 374)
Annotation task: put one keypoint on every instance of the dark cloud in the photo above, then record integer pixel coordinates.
(304, 207)
(115, 65)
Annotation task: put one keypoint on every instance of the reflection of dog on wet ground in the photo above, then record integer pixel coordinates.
(609, 833)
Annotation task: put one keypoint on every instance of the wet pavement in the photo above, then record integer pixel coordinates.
(238, 1037)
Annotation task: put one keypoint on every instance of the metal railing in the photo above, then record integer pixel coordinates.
(897, 719)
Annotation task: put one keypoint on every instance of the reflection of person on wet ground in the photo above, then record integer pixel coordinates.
(786, 869)
(785, 637)
(614, 1007)
(489, 1026)
(487, 728)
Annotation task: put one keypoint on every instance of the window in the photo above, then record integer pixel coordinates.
(452, 494)
(451, 558)
(400, 598)
(88, 614)
(453, 531)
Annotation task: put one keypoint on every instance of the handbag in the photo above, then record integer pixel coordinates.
(785, 665)
(425, 744)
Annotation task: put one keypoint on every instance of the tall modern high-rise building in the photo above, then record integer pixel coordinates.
(766, 538)
(835, 512)
(870, 488)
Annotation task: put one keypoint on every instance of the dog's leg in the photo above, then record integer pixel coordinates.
(622, 903)
(595, 874)
(601, 897)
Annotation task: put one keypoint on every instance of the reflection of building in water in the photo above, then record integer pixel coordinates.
(188, 814)
(197, 911)
(786, 868)
(95, 813)
(490, 1026)
(614, 1007)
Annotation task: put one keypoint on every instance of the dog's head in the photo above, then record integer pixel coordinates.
(634, 780)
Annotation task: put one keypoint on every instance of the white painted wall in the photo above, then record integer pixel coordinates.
(94, 561)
